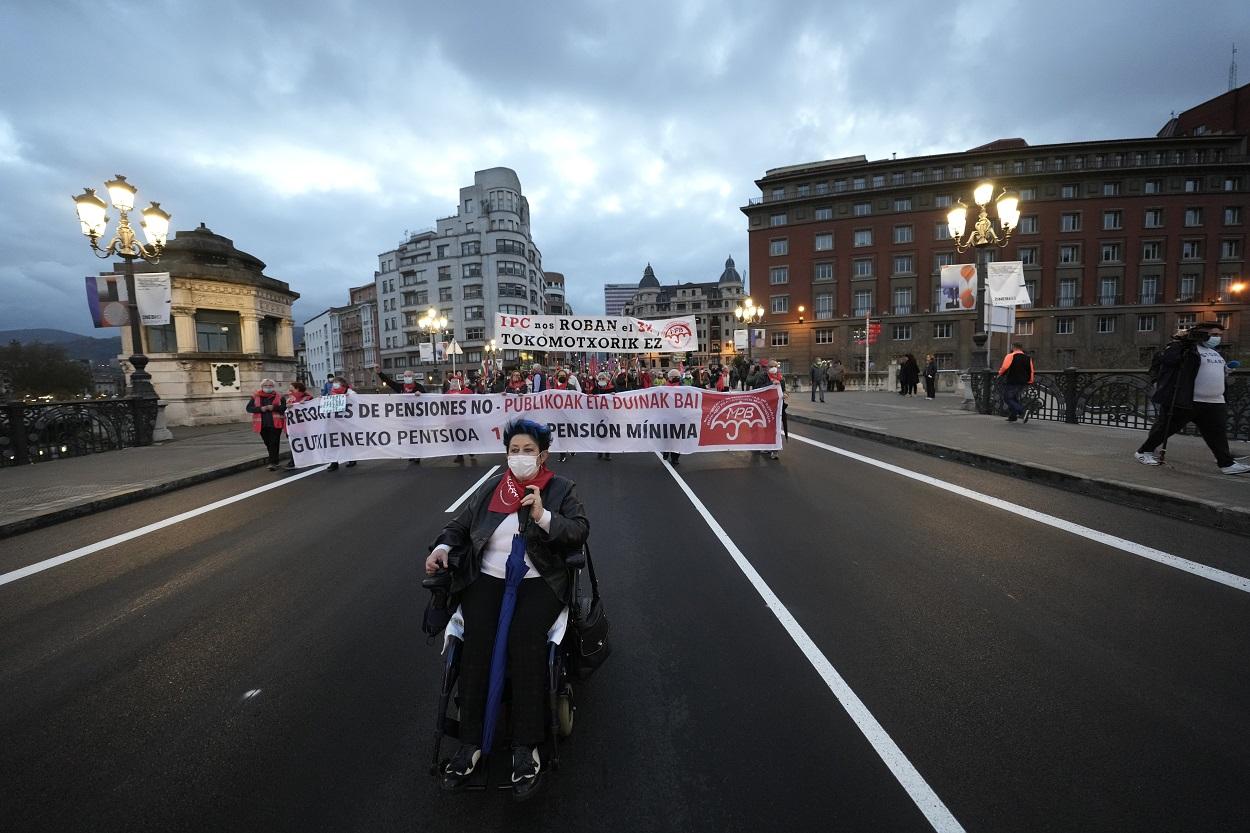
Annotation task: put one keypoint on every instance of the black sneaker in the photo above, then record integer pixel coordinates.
(526, 771)
(458, 770)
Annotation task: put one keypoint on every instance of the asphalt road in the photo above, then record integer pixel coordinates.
(261, 666)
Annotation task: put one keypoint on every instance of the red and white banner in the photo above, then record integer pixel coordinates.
(596, 334)
(681, 419)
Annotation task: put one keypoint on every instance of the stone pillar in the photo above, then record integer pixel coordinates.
(286, 337)
(250, 332)
(184, 328)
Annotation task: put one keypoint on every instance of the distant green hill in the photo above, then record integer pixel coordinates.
(76, 346)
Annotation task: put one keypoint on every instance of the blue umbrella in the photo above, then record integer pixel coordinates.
(516, 570)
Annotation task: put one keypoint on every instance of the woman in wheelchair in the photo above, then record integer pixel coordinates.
(531, 501)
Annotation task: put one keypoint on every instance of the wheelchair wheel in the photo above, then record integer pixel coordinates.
(565, 712)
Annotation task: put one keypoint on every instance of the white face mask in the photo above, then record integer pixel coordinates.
(523, 466)
(1213, 341)
(267, 389)
(408, 380)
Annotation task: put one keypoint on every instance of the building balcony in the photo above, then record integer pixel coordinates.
(1110, 300)
(1068, 302)
(1149, 299)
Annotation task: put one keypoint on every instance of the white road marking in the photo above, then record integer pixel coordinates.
(471, 490)
(917, 788)
(1124, 545)
(152, 527)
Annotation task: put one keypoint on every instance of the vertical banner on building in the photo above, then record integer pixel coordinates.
(1006, 283)
(108, 301)
(154, 297)
(959, 287)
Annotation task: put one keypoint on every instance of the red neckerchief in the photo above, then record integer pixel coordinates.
(560, 386)
(508, 495)
(517, 386)
(275, 400)
(410, 387)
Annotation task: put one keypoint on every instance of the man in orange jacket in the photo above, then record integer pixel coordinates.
(1016, 372)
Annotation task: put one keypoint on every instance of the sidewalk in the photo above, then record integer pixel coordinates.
(1089, 459)
(47, 493)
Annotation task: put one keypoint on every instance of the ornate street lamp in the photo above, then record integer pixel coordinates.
(981, 237)
(748, 313)
(433, 322)
(93, 221)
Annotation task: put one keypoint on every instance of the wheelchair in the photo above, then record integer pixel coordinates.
(561, 708)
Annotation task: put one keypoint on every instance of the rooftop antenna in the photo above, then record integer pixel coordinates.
(1232, 70)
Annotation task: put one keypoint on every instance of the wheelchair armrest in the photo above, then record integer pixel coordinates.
(576, 561)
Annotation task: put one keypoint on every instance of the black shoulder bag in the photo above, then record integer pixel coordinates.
(590, 645)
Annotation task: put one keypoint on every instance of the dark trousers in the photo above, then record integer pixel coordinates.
(1011, 398)
(930, 387)
(536, 608)
(273, 439)
(818, 387)
(1210, 418)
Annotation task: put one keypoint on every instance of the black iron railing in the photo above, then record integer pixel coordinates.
(43, 431)
(1118, 398)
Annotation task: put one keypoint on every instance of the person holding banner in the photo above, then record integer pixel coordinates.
(603, 387)
(338, 387)
(266, 407)
(516, 383)
(295, 394)
(405, 384)
(773, 377)
(529, 507)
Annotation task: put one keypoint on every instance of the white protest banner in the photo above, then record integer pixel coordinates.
(596, 334)
(154, 296)
(959, 287)
(1006, 284)
(681, 419)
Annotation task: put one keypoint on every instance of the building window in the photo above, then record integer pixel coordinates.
(804, 190)
(474, 333)
(1230, 250)
(862, 302)
(941, 231)
(943, 329)
(473, 247)
(1149, 290)
(901, 332)
(861, 267)
(1111, 253)
(1232, 216)
(1027, 255)
(902, 234)
(904, 265)
(1065, 326)
(902, 301)
(1154, 218)
(822, 187)
(862, 209)
(1070, 221)
(472, 292)
(943, 201)
(164, 339)
(863, 237)
(822, 272)
(780, 246)
(1189, 288)
(780, 338)
(1184, 320)
(839, 185)
(1068, 288)
(778, 275)
(1193, 217)
(824, 242)
(444, 273)
(878, 180)
(825, 213)
(1191, 249)
(1109, 291)
(1232, 183)
(1152, 250)
(1193, 185)
(1106, 324)
(1069, 254)
(444, 294)
(824, 336)
(217, 332)
(779, 303)
(779, 194)
(1024, 326)
(1147, 323)
(1111, 189)
(777, 220)
(479, 313)
(1153, 186)
(902, 204)
(1069, 192)
(823, 309)
(1112, 220)
(943, 259)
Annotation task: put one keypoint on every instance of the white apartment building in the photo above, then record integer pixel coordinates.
(322, 344)
(478, 261)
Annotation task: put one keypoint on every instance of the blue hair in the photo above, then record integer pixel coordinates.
(541, 433)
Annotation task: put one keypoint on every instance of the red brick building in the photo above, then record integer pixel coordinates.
(1122, 241)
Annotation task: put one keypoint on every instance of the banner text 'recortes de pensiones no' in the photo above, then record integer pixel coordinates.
(681, 419)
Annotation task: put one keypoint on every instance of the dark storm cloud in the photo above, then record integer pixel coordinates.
(315, 134)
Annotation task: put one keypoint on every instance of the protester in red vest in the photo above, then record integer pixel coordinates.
(266, 408)
(296, 393)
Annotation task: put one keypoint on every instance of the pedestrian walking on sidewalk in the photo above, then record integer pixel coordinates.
(930, 377)
(909, 375)
(836, 376)
(1190, 376)
(1016, 372)
(295, 394)
(267, 408)
(820, 378)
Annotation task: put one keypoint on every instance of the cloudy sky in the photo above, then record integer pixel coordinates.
(315, 134)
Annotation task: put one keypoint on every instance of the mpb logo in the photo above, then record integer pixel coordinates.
(739, 419)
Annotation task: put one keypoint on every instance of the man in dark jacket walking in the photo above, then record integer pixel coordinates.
(1190, 388)
(820, 378)
(1016, 372)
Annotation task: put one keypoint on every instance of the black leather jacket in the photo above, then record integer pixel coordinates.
(468, 533)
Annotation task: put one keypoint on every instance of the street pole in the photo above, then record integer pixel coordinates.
(980, 338)
(140, 379)
(867, 346)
